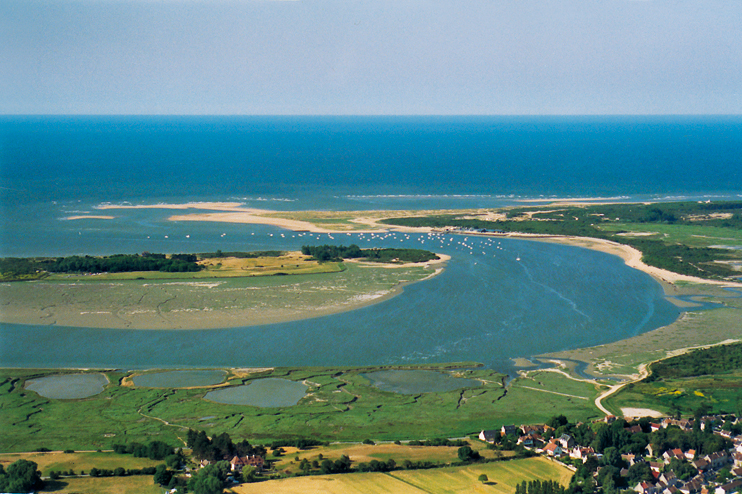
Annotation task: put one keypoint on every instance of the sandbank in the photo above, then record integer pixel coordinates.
(234, 212)
(90, 217)
(214, 206)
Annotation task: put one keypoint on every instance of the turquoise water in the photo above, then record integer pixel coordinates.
(68, 386)
(180, 379)
(411, 382)
(486, 307)
(264, 393)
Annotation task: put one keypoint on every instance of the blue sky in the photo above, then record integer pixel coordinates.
(399, 57)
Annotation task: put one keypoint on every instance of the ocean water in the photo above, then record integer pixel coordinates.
(487, 306)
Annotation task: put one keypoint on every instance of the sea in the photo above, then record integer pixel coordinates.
(495, 301)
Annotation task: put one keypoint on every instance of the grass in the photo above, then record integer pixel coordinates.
(691, 235)
(78, 461)
(104, 485)
(382, 452)
(721, 392)
(220, 267)
(503, 477)
(339, 406)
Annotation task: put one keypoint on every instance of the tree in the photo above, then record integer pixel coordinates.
(249, 473)
(467, 454)
(483, 478)
(162, 475)
(21, 476)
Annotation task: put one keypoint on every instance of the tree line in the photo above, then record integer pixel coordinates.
(324, 253)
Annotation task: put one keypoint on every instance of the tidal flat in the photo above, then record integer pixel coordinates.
(203, 303)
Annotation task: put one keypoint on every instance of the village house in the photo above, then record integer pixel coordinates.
(489, 436)
(566, 441)
(733, 486)
(553, 449)
(508, 430)
(238, 463)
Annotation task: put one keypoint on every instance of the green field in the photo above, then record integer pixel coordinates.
(720, 393)
(78, 461)
(340, 405)
(108, 485)
(503, 477)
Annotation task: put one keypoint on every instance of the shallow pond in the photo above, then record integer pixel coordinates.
(180, 379)
(68, 386)
(265, 393)
(411, 382)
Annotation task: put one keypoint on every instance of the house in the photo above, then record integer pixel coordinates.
(690, 454)
(717, 460)
(238, 463)
(701, 464)
(651, 450)
(634, 429)
(692, 487)
(733, 486)
(645, 488)
(656, 466)
(581, 453)
(508, 430)
(566, 441)
(553, 449)
(669, 479)
(489, 436)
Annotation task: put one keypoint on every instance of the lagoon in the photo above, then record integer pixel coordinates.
(180, 379)
(412, 382)
(264, 393)
(68, 386)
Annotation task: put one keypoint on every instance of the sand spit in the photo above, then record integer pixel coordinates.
(90, 217)
(234, 212)
(631, 256)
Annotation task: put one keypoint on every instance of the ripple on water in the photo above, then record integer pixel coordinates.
(68, 386)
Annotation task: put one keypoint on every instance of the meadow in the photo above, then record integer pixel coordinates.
(340, 405)
(503, 477)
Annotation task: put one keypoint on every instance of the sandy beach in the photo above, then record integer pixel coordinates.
(631, 256)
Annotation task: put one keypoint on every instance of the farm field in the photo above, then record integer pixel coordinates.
(78, 461)
(103, 485)
(503, 477)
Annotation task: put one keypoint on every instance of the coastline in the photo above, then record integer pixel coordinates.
(368, 221)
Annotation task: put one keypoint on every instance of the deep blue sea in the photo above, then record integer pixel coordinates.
(490, 307)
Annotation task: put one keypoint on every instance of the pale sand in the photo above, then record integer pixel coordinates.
(250, 217)
(234, 212)
(641, 412)
(631, 256)
(442, 259)
(91, 217)
(214, 206)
